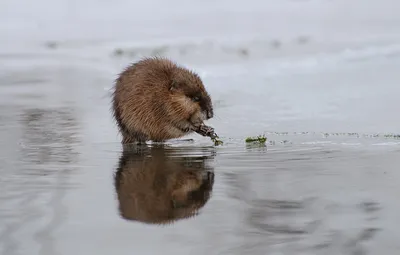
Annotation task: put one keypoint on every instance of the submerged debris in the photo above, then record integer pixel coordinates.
(118, 52)
(396, 136)
(259, 139)
(51, 44)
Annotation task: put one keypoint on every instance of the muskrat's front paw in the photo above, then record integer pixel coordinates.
(208, 130)
(205, 130)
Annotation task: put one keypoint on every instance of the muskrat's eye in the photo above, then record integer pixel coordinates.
(196, 99)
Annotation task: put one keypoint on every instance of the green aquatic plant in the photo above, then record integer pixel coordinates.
(217, 141)
(259, 139)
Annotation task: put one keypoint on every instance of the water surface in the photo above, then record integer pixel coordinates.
(322, 87)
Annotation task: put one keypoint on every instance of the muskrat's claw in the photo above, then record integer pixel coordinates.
(209, 131)
(205, 130)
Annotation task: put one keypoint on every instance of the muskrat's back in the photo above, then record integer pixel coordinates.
(155, 99)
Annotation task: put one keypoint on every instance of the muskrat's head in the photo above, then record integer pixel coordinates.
(190, 100)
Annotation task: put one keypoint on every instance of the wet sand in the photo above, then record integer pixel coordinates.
(326, 182)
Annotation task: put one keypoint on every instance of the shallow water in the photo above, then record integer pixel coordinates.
(302, 193)
(323, 89)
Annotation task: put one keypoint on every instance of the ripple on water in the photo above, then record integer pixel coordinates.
(34, 185)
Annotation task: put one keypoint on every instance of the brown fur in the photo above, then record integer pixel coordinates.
(154, 188)
(154, 100)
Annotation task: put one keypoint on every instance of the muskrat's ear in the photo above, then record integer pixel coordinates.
(174, 85)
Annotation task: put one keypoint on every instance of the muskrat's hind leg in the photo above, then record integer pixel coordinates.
(128, 139)
(133, 137)
(129, 136)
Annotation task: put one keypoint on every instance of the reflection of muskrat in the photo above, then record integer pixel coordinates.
(157, 185)
(155, 99)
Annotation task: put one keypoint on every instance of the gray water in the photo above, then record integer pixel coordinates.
(322, 87)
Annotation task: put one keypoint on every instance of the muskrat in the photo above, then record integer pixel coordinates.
(155, 99)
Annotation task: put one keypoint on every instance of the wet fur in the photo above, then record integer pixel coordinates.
(152, 100)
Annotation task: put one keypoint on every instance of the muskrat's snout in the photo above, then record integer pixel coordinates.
(208, 111)
(209, 114)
